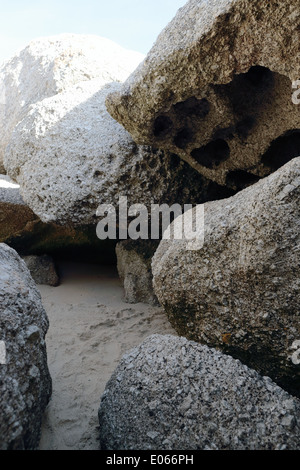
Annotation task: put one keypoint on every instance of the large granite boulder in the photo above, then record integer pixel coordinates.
(216, 89)
(69, 156)
(50, 65)
(25, 383)
(170, 393)
(240, 292)
(134, 267)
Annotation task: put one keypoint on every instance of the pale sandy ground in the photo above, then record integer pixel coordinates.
(90, 329)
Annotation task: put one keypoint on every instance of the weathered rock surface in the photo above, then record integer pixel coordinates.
(170, 393)
(50, 65)
(69, 156)
(42, 269)
(241, 291)
(134, 268)
(25, 383)
(216, 89)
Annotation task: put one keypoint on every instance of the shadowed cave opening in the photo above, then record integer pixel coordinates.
(244, 126)
(259, 77)
(162, 125)
(181, 115)
(240, 179)
(183, 138)
(282, 150)
(247, 93)
(212, 154)
(192, 106)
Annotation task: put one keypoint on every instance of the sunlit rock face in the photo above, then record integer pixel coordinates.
(50, 65)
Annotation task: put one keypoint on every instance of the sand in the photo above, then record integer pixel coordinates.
(91, 327)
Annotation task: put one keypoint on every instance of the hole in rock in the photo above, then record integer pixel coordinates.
(259, 77)
(192, 106)
(244, 126)
(240, 179)
(212, 154)
(215, 192)
(162, 126)
(175, 161)
(183, 138)
(248, 92)
(282, 150)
